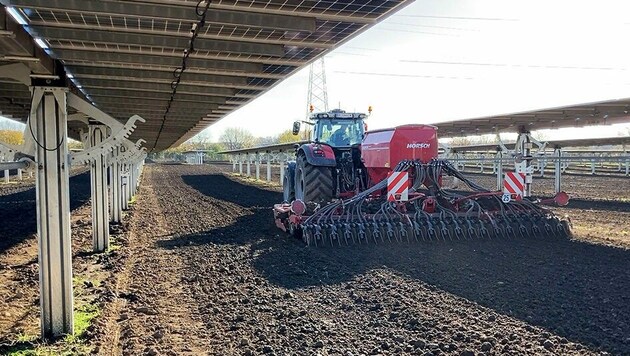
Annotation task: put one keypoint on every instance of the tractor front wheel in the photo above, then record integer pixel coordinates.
(313, 183)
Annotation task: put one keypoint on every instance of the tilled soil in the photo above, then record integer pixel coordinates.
(19, 280)
(17, 209)
(204, 271)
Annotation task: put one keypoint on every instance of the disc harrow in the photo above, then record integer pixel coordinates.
(432, 213)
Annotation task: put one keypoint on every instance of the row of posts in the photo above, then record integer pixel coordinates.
(48, 120)
(257, 159)
(194, 157)
(109, 203)
(541, 163)
(561, 163)
(19, 176)
(243, 164)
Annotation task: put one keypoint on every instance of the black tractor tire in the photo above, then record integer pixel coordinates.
(313, 183)
(288, 183)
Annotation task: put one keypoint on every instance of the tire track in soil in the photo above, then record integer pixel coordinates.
(153, 313)
(222, 280)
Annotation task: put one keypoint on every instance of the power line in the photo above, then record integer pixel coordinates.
(350, 54)
(410, 31)
(405, 75)
(432, 26)
(459, 18)
(363, 48)
(511, 65)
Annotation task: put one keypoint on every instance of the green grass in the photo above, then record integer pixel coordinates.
(75, 344)
(83, 318)
(26, 338)
(113, 246)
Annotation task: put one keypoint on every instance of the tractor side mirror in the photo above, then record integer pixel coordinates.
(296, 128)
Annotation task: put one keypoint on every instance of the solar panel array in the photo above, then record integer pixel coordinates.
(122, 54)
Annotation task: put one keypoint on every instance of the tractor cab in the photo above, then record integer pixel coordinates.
(329, 166)
(336, 128)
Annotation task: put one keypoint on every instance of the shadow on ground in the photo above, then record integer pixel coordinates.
(577, 290)
(17, 211)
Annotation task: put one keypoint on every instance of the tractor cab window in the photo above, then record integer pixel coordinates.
(338, 133)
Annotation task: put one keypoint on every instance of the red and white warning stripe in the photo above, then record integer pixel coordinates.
(514, 183)
(398, 186)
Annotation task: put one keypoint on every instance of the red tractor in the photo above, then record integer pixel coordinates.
(329, 166)
(336, 191)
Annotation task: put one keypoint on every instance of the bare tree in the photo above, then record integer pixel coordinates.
(234, 138)
(266, 141)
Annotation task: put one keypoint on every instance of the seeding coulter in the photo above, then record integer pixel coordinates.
(352, 186)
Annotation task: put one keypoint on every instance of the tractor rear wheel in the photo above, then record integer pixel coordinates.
(313, 183)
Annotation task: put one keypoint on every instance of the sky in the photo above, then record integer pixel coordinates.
(438, 60)
(442, 60)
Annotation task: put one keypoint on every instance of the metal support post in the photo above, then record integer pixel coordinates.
(240, 164)
(114, 188)
(592, 166)
(257, 166)
(233, 164)
(542, 164)
(249, 166)
(481, 163)
(558, 170)
(281, 162)
(124, 187)
(499, 170)
(527, 152)
(98, 174)
(132, 191)
(19, 174)
(6, 175)
(49, 113)
(134, 179)
(268, 167)
(524, 148)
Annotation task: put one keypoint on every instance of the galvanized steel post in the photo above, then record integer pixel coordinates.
(98, 174)
(558, 170)
(268, 166)
(249, 165)
(49, 113)
(114, 187)
(499, 170)
(257, 166)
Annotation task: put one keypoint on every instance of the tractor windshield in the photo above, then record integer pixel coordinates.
(338, 133)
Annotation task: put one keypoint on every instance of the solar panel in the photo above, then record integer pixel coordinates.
(581, 115)
(245, 48)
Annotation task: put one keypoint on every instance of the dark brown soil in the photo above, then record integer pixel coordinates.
(203, 270)
(211, 274)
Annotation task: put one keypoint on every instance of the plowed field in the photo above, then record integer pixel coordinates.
(200, 268)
